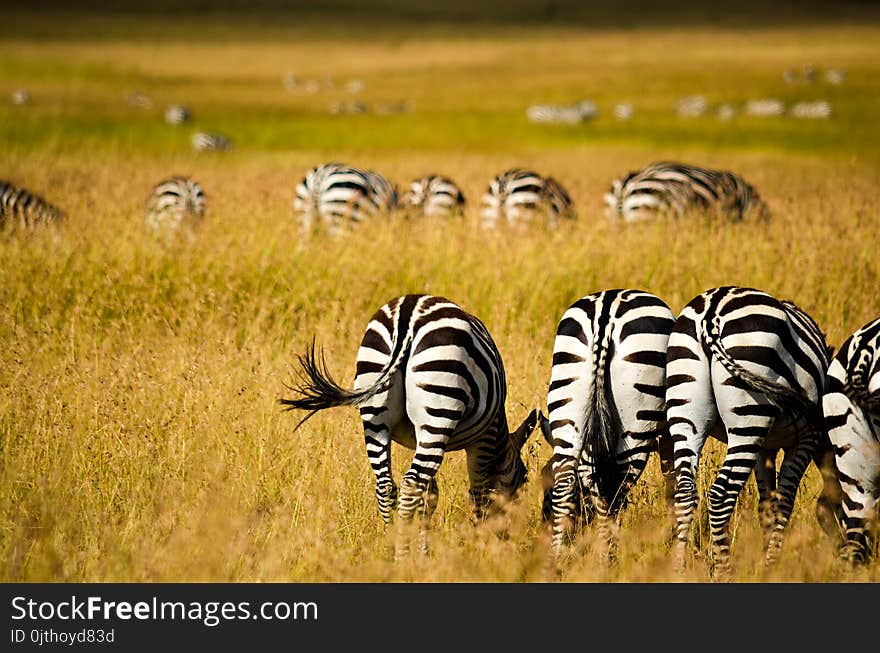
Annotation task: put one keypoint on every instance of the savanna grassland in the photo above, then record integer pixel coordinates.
(140, 434)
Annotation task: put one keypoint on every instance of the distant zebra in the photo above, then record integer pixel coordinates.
(852, 416)
(175, 204)
(519, 197)
(177, 114)
(605, 404)
(204, 142)
(433, 196)
(21, 209)
(667, 187)
(337, 196)
(430, 378)
(754, 365)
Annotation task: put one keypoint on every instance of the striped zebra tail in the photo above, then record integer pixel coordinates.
(779, 394)
(599, 429)
(319, 390)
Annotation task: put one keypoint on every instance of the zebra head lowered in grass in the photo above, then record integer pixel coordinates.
(748, 369)
(519, 197)
(852, 416)
(22, 209)
(175, 205)
(430, 378)
(433, 196)
(605, 407)
(675, 189)
(335, 197)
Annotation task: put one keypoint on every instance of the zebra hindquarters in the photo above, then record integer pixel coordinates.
(691, 414)
(748, 415)
(857, 454)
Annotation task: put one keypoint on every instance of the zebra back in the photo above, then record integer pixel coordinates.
(859, 357)
(732, 309)
(675, 188)
(20, 208)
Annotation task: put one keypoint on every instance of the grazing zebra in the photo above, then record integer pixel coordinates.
(175, 204)
(605, 405)
(338, 196)
(667, 187)
(205, 142)
(754, 366)
(852, 416)
(177, 114)
(21, 209)
(430, 378)
(519, 197)
(434, 196)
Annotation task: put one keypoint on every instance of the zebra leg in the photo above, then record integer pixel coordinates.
(377, 437)
(748, 417)
(765, 477)
(794, 464)
(564, 501)
(691, 413)
(481, 458)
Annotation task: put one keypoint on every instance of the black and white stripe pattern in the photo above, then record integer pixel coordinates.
(433, 196)
(206, 142)
(338, 196)
(754, 366)
(605, 405)
(852, 416)
(430, 378)
(520, 197)
(175, 204)
(22, 209)
(669, 188)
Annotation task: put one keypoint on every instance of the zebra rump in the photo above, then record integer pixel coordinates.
(852, 416)
(670, 188)
(433, 196)
(337, 196)
(205, 142)
(605, 403)
(519, 197)
(175, 203)
(20, 208)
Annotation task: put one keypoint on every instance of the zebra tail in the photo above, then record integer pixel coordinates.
(319, 390)
(600, 432)
(779, 394)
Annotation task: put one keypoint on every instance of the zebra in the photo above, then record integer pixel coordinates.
(22, 209)
(754, 366)
(852, 415)
(605, 404)
(177, 114)
(175, 204)
(430, 378)
(204, 142)
(434, 196)
(669, 187)
(338, 196)
(519, 197)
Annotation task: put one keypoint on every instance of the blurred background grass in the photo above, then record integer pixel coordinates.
(139, 434)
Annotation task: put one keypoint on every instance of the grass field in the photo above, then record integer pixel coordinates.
(140, 435)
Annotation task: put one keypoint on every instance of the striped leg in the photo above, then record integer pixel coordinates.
(481, 460)
(794, 464)
(432, 496)
(691, 414)
(748, 417)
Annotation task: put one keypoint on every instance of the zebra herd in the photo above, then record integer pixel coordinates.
(628, 378)
(335, 198)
